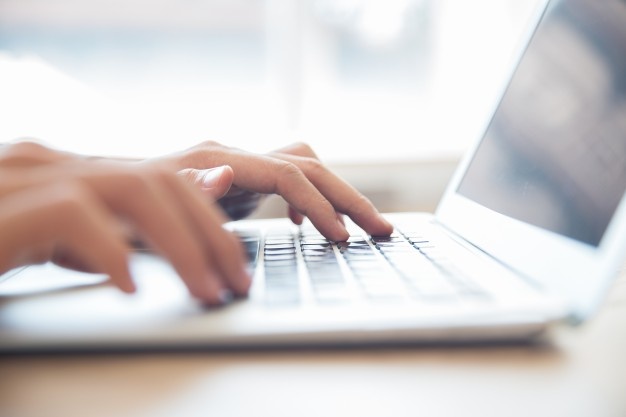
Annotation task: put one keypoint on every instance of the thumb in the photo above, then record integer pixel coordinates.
(214, 182)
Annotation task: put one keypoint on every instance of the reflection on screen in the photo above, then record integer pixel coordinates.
(554, 154)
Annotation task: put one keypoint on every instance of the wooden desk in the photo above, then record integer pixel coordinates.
(581, 372)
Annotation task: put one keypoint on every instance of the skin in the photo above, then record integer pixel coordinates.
(294, 172)
(79, 212)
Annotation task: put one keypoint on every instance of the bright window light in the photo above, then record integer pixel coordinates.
(361, 80)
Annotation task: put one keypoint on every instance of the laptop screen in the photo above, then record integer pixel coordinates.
(554, 154)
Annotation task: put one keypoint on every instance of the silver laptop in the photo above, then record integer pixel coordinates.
(531, 232)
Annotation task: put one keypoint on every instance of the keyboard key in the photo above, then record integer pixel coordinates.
(280, 249)
(320, 242)
(399, 267)
(251, 243)
(279, 257)
(317, 252)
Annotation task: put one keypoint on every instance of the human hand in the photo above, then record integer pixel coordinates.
(217, 184)
(294, 172)
(27, 154)
(59, 207)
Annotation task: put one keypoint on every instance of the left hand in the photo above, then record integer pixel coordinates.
(77, 213)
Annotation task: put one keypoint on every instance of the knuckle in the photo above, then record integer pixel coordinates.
(30, 146)
(134, 184)
(207, 153)
(288, 169)
(287, 173)
(28, 150)
(210, 144)
(72, 201)
(314, 166)
(304, 147)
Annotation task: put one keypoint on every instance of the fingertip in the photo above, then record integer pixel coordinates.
(338, 233)
(377, 226)
(296, 217)
(129, 288)
(125, 284)
(225, 297)
(342, 233)
(213, 293)
(381, 231)
(123, 279)
(386, 226)
(222, 298)
(244, 282)
(210, 293)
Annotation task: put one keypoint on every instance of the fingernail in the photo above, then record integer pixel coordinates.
(211, 177)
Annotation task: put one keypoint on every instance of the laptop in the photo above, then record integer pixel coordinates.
(530, 232)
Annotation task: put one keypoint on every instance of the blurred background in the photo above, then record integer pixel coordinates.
(388, 92)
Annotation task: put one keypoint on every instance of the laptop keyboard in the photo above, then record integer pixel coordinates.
(406, 266)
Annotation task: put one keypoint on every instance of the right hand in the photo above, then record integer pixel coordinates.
(295, 172)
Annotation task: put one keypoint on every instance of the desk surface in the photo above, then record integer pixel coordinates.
(580, 372)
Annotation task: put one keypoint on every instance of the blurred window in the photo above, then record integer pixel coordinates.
(358, 79)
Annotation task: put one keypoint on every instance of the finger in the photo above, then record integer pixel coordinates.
(298, 149)
(270, 175)
(70, 218)
(214, 182)
(306, 201)
(28, 153)
(140, 195)
(298, 218)
(68, 260)
(304, 150)
(344, 197)
(222, 249)
(295, 217)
